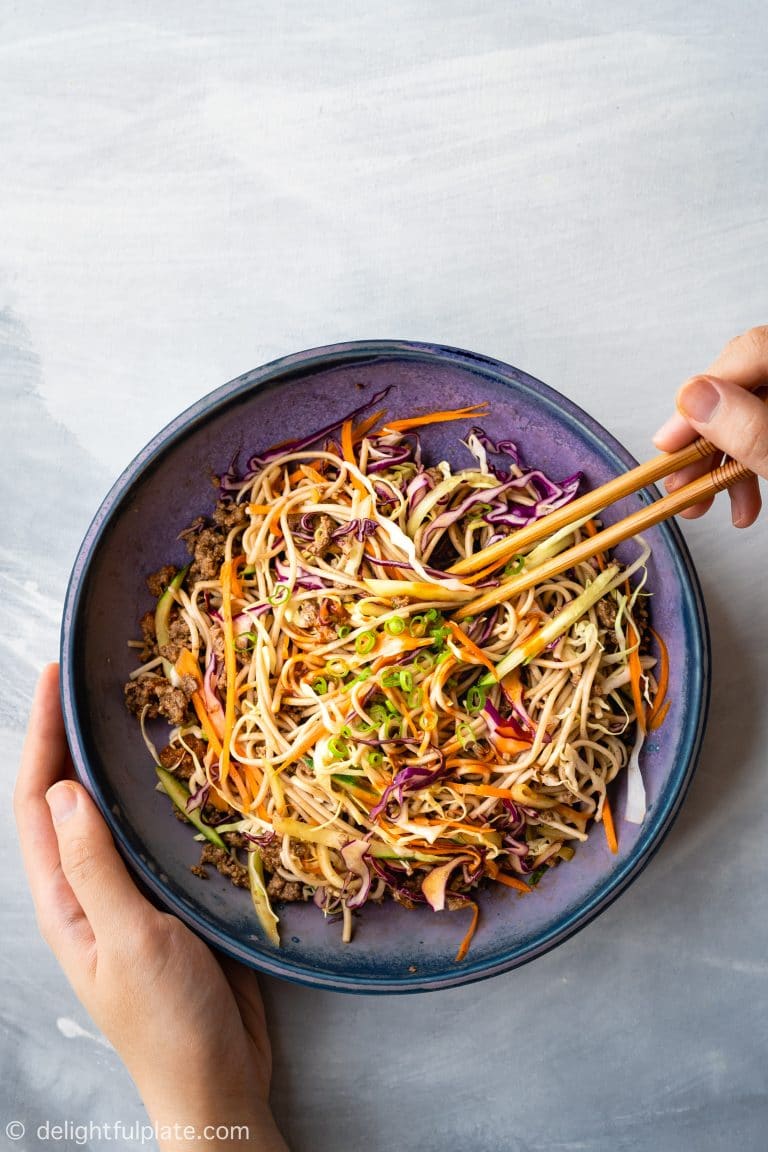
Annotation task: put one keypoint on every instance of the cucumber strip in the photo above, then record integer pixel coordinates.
(267, 918)
(163, 615)
(555, 628)
(179, 794)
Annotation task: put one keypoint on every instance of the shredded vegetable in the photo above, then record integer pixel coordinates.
(368, 725)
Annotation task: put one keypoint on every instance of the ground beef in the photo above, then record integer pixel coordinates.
(179, 761)
(218, 645)
(159, 581)
(306, 615)
(158, 696)
(225, 864)
(208, 550)
(206, 545)
(287, 890)
(606, 612)
(228, 515)
(147, 625)
(402, 897)
(332, 611)
(640, 616)
(400, 601)
(270, 854)
(323, 532)
(235, 839)
(178, 638)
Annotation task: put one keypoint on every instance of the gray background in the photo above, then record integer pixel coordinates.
(191, 189)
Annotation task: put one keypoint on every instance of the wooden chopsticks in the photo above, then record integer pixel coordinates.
(591, 502)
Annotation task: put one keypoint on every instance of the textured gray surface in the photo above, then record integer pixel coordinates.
(191, 189)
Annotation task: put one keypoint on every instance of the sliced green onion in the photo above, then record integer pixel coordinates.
(391, 710)
(346, 732)
(395, 625)
(431, 615)
(414, 697)
(439, 635)
(405, 678)
(378, 714)
(417, 626)
(365, 643)
(391, 680)
(320, 685)
(424, 661)
(279, 594)
(427, 721)
(475, 698)
(393, 727)
(515, 566)
(337, 667)
(375, 758)
(338, 748)
(465, 735)
(343, 631)
(363, 674)
(443, 657)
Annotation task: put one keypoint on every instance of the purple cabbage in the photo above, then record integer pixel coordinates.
(387, 456)
(362, 529)
(230, 482)
(306, 580)
(354, 855)
(411, 779)
(198, 799)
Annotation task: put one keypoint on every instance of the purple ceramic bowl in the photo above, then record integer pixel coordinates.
(136, 531)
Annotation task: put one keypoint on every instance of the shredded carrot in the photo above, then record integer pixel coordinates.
(274, 522)
(314, 734)
(260, 509)
(591, 530)
(437, 821)
(186, 665)
(661, 692)
(230, 665)
(635, 676)
(660, 716)
(610, 830)
(237, 588)
(512, 685)
(512, 882)
(509, 745)
(348, 453)
(464, 946)
(437, 417)
(469, 648)
(311, 473)
(483, 790)
(364, 427)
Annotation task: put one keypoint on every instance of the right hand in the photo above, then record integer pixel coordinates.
(720, 406)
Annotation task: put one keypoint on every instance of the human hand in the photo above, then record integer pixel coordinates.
(190, 1026)
(721, 406)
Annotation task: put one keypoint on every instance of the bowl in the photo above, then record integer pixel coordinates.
(136, 531)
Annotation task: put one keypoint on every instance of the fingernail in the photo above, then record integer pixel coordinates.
(698, 400)
(62, 801)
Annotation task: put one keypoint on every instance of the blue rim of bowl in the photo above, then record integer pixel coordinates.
(361, 351)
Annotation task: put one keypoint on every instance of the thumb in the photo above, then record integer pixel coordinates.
(735, 420)
(90, 861)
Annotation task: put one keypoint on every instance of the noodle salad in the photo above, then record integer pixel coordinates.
(351, 722)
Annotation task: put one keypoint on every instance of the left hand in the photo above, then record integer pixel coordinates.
(189, 1026)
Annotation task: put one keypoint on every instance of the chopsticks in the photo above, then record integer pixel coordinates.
(723, 476)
